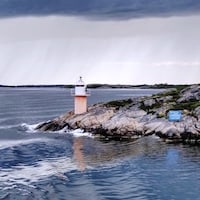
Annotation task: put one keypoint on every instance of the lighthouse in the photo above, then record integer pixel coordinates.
(80, 97)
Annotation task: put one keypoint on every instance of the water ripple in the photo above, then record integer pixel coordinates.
(25, 175)
(64, 165)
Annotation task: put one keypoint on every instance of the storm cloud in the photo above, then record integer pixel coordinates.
(105, 41)
(99, 9)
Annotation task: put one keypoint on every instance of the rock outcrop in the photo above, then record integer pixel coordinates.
(133, 118)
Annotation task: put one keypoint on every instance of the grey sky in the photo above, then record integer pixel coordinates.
(57, 49)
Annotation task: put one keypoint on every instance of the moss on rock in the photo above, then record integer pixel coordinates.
(119, 103)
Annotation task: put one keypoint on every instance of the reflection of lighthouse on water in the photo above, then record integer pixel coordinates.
(80, 97)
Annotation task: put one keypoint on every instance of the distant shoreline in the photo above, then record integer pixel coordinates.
(102, 86)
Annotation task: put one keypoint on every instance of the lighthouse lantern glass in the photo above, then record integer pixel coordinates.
(80, 88)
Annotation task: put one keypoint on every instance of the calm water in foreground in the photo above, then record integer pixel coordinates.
(36, 165)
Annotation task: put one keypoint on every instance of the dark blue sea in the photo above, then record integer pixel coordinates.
(78, 166)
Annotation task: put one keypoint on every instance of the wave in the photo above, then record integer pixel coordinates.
(11, 143)
(31, 128)
(39, 171)
(23, 126)
(8, 126)
(76, 133)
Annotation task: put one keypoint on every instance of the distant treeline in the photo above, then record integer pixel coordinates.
(96, 85)
(38, 86)
(144, 86)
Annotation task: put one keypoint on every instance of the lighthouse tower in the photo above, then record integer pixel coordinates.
(80, 97)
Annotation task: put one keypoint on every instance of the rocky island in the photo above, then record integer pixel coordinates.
(137, 117)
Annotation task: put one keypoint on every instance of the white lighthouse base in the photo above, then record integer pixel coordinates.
(80, 104)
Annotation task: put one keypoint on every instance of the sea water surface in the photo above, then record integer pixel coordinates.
(76, 165)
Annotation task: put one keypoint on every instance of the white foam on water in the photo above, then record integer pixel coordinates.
(30, 128)
(154, 136)
(8, 126)
(40, 170)
(76, 133)
(27, 127)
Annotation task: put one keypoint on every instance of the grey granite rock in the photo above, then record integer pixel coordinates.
(190, 93)
(132, 121)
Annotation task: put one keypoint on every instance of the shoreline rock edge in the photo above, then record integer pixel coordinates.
(137, 117)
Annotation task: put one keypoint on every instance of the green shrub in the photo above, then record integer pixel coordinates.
(119, 103)
(150, 109)
(174, 93)
(186, 105)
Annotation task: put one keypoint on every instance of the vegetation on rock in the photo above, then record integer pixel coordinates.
(133, 118)
(119, 103)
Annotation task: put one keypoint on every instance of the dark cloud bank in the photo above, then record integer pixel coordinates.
(122, 9)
